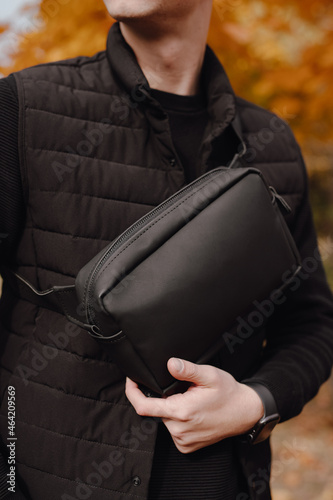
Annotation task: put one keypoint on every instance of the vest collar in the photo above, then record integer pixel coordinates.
(219, 93)
(220, 99)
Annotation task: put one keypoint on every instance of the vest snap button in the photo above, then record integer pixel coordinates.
(136, 481)
(172, 162)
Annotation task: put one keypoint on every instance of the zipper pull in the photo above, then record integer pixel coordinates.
(280, 200)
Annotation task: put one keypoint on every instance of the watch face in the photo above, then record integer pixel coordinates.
(263, 428)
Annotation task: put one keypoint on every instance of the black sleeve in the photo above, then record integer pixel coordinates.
(12, 211)
(298, 355)
(11, 208)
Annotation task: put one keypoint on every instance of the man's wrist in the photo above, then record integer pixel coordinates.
(250, 409)
(264, 426)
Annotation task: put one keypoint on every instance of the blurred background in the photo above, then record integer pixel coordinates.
(278, 54)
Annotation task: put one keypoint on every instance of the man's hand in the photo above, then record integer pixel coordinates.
(214, 407)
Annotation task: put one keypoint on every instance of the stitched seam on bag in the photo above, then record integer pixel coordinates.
(156, 221)
(78, 482)
(76, 438)
(116, 126)
(76, 396)
(139, 235)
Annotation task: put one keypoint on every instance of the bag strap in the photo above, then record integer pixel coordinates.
(61, 299)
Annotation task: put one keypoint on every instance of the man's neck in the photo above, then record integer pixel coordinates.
(171, 56)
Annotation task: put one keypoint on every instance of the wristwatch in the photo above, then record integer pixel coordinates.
(266, 424)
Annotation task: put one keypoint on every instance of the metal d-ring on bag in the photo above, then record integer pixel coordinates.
(177, 279)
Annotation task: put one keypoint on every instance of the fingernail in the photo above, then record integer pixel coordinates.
(178, 364)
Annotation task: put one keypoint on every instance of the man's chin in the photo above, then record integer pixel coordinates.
(122, 11)
(128, 18)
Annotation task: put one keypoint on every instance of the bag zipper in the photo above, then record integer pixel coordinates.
(141, 222)
(155, 211)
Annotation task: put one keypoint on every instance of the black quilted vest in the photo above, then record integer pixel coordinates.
(96, 154)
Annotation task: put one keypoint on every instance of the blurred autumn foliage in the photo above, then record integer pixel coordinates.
(278, 54)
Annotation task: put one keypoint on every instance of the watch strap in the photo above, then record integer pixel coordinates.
(266, 397)
(271, 417)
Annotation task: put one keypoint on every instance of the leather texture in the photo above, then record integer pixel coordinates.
(178, 279)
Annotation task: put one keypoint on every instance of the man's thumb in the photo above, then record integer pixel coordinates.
(185, 370)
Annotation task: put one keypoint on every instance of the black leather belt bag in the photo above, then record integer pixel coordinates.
(178, 278)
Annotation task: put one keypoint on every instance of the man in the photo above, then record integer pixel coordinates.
(101, 141)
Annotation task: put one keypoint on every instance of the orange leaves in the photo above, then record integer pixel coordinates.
(278, 54)
(60, 29)
(3, 28)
